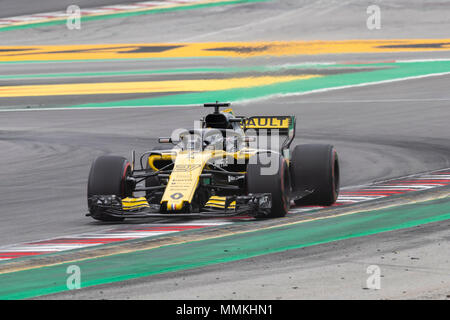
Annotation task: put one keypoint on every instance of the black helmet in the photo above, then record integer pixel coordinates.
(218, 120)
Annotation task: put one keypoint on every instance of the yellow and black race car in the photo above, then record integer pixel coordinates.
(229, 165)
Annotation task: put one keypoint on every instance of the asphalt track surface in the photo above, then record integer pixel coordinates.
(24, 7)
(380, 131)
(273, 20)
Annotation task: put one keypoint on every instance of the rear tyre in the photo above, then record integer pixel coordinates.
(278, 184)
(315, 167)
(108, 176)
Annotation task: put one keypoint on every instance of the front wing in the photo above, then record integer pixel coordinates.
(111, 205)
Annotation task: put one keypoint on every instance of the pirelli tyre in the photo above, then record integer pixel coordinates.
(315, 167)
(108, 176)
(271, 178)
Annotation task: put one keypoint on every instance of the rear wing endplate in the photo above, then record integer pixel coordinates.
(284, 125)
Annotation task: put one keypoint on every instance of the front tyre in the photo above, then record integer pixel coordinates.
(260, 179)
(108, 176)
(315, 167)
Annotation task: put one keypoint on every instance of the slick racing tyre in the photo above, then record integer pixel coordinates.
(315, 167)
(108, 176)
(277, 183)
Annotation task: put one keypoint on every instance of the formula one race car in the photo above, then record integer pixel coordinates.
(227, 166)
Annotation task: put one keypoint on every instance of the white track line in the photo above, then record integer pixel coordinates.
(364, 84)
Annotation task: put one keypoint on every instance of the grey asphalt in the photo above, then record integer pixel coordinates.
(272, 20)
(381, 131)
(13, 8)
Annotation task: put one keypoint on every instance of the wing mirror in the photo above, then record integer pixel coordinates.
(168, 140)
(249, 139)
(164, 140)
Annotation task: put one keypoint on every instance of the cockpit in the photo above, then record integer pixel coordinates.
(212, 139)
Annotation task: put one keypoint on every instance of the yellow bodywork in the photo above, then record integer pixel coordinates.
(268, 122)
(189, 164)
(185, 176)
(156, 157)
(134, 203)
(219, 202)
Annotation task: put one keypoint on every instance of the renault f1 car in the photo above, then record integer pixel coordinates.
(229, 165)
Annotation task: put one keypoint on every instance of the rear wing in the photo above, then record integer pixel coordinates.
(281, 125)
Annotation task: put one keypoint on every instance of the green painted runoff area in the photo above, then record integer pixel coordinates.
(119, 267)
